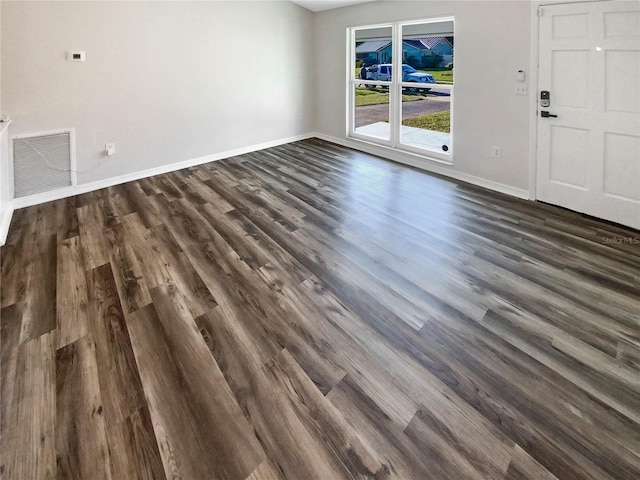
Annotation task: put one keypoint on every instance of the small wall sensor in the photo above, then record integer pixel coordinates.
(520, 75)
(76, 56)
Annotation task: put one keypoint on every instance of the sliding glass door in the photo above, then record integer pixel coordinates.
(371, 82)
(400, 86)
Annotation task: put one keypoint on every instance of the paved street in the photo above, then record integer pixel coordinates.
(380, 113)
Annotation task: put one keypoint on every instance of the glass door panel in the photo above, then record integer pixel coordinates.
(372, 54)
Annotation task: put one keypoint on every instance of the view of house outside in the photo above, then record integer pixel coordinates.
(432, 55)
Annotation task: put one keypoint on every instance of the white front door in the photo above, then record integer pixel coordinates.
(589, 155)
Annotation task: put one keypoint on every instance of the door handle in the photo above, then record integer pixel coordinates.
(545, 114)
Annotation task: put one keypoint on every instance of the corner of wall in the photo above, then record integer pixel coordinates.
(6, 182)
(5, 223)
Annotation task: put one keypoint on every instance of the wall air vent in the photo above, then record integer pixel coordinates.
(43, 162)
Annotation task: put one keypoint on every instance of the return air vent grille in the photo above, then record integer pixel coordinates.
(42, 163)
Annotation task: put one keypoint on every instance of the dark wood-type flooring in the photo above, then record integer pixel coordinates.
(311, 312)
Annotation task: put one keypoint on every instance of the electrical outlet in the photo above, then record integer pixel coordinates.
(521, 89)
(110, 148)
(300, 116)
(496, 152)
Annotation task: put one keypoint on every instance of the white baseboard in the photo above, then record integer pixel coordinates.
(5, 223)
(419, 162)
(129, 177)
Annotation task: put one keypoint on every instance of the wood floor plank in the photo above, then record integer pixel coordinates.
(448, 450)
(310, 311)
(324, 421)
(404, 458)
(140, 250)
(92, 224)
(523, 467)
(257, 206)
(131, 198)
(192, 191)
(81, 446)
(293, 270)
(66, 218)
(205, 194)
(162, 207)
(148, 186)
(133, 450)
(42, 224)
(11, 320)
(28, 444)
(117, 370)
(264, 472)
(628, 354)
(234, 236)
(20, 224)
(199, 426)
(132, 285)
(104, 202)
(72, 302)
(167, 186)
(13, 277)
(180, 271)
(39, 304)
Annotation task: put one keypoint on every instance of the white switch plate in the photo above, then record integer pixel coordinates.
(521, 89)
(110, 148)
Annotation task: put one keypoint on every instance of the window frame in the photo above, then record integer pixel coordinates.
(395, 91)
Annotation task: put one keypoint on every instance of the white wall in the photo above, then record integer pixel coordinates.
(5, 178)
(492, 42)
(165, 81)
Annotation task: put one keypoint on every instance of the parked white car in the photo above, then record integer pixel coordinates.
(383, 72)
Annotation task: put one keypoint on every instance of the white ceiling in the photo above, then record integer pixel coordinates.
(318, 5)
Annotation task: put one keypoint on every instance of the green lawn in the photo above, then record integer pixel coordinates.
(438, 122)
(376, 96)
(441, 76)
(365, 96)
